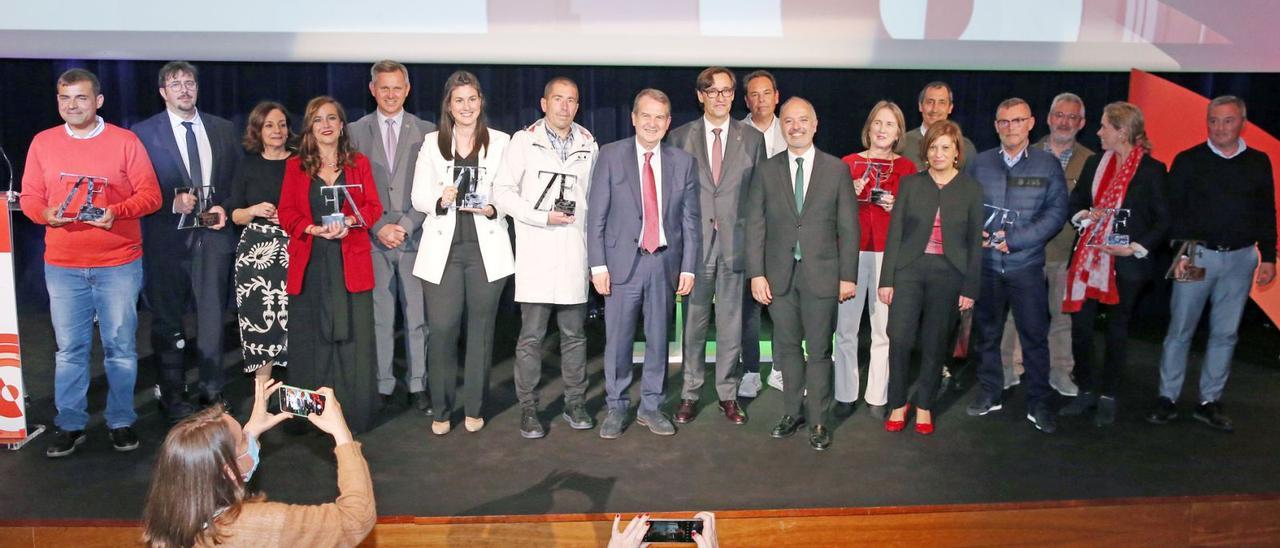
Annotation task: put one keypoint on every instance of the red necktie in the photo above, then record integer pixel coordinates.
(649, 235)
(717, 157)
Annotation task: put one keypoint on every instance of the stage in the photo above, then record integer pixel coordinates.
(710, 464)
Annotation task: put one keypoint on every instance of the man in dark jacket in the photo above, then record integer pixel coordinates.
(1025, 194)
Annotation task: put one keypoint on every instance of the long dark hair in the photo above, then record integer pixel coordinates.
(310, 151)
(252, 141)
(445, 138)
(190, 483)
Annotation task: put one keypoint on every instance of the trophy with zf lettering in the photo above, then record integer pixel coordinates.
(336, 196)
(92, 186)
(467, 180)
(1190, 271)
(200, 216)
(877, 172)
(1118, 232)
(998, 219)
(566, 181)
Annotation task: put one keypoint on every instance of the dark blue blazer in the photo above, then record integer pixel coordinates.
(160, 233)
(615, 213)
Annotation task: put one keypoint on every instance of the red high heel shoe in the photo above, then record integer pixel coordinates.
(924, 428)
(897, 426)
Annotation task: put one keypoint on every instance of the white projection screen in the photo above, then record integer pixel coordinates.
(1166, 35)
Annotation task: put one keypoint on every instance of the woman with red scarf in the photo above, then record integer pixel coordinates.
(875, 172)
(1122, 216)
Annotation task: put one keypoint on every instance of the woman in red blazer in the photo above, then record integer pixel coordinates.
(331, 341)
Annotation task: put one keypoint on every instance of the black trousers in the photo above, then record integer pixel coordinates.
(1105, 380)
(926, 296)
(464, 289)
(800, 316)
(202, 274)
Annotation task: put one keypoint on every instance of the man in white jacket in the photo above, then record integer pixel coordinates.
(542, 184)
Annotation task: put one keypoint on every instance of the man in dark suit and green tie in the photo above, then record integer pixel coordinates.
(802, 260)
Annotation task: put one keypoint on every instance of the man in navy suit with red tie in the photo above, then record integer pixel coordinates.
(643, 243)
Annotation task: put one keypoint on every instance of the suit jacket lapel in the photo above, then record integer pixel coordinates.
(733, 152)
(632, 174)
(698, 142)
(170, 142)
(668, 179)
(787, 189)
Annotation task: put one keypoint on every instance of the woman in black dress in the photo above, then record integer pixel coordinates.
(262, 257)
(330, 263)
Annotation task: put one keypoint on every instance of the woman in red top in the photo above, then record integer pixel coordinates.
(875, 171)
(330, 263)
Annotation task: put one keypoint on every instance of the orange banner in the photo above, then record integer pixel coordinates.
(1177, 120)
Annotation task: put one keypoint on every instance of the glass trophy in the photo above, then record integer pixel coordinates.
(92, 186)
(565, 181)
(467, 180)
(998, 219)
(877, 173)
(336, 196)
(200, 216)
(1117, 232)
(1191, 272)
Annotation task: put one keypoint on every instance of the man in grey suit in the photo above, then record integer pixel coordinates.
(643, 244)
(802, 259)
(727, 152)
(391, 138)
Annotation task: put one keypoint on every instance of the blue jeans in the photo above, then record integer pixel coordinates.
(1024, 292)
(76, 297)
(1227, 281)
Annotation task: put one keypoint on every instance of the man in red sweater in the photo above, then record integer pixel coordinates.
(89, 181)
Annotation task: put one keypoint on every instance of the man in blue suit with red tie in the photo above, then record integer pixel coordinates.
(643, 243)
(190, 150)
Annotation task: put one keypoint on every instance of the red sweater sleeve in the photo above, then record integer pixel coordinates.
(35, 197)
(146, 187)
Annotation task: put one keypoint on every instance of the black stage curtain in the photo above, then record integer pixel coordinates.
(841, 98)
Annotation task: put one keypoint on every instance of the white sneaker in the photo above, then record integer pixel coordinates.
(775, 379)
(750, 386)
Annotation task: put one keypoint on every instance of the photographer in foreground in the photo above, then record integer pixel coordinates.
(198, 496)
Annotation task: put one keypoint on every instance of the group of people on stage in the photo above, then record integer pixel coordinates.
(354, 223)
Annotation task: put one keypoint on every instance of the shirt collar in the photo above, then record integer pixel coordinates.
(97, 129)
(1240, 146)
(765, 129)
(1011, 160)
(176, 121)
(382, 118)
(923, 130)
(807, 155)
(640, 150)
(724, 127)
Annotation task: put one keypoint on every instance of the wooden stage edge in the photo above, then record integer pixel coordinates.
(1230, 520)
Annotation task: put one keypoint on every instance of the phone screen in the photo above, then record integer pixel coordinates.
(300, 402)
(672, 530)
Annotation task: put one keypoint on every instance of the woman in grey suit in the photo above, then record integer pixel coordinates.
(932, 270)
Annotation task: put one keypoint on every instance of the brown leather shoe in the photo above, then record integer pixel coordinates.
(733, 412)
(687, 411)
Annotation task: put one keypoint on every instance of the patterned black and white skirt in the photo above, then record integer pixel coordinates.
(262, 263)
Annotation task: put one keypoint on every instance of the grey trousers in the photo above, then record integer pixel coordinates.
(715, 279)
(573, 351)
(395, 285)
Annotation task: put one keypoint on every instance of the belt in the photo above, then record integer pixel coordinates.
(644, 251)
(1222, 248)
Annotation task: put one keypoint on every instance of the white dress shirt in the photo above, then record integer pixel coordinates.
(101, 125)
(202, 145)
(1240, 146)
(773, 141)
(711, 137)
(807, 167)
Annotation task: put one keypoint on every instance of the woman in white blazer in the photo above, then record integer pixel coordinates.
(465, 255)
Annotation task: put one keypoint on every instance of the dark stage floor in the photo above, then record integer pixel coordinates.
(709, 464)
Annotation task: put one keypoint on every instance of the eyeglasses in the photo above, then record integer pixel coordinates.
(1004, 124)
(177, 85)
(1061, 115)
(713, 93)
